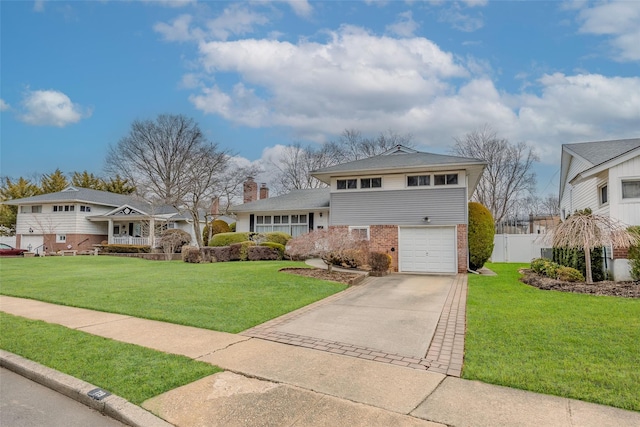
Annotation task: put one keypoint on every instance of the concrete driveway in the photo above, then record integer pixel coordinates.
(395, 314)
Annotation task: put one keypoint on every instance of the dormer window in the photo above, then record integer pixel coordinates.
(347, 184)
(370, 182)
(446, 179)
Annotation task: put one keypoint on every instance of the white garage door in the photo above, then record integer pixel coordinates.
(428, 249)
(33, 242)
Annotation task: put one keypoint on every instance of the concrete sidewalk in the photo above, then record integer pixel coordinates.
(274, 384)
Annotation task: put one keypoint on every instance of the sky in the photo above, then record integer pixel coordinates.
(259, 75)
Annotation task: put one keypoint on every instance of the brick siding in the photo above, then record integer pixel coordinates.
(462, 248)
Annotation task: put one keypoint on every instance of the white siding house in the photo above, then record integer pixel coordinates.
(603, 176)
(77, 218)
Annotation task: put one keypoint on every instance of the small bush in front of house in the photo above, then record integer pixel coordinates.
(379, 263)
(279, 247)
(125, 249)
(537, 265)
(550, 269)
(348, 258)
(568, 274)
(217, 226)
(481, 231)
(262, 253)
(191, 254)
(216, 253)
(227, 239)
(232, 227)
(278, 237)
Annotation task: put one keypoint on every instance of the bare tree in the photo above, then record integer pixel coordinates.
(169, 160)
(587, 231)
(508, 176)
(352, 145)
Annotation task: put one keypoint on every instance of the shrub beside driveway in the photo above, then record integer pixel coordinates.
(227, 297)
(579, 346)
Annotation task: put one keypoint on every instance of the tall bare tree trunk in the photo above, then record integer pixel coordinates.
(587, 263)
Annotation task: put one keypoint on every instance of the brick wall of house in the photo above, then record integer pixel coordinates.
(462, 248)
(620, 253)
(78, 242)
(384, 239)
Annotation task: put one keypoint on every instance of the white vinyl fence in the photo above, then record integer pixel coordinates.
(8, 240)
(517, 247)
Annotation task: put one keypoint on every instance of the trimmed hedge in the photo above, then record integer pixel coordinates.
(216, 253)
(125, 249)
(217, 226)
(263, 253)
(574, 258)
(191, 254)
(481, 231)
(277, 246)
(634, 255)
(227, 239)
(278, 237)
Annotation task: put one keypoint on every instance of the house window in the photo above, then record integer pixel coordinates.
(446, 179)
(418, 180)
(85, 208)
(294, 225)
(61, 238)
(31, 209)
(116, 230)
(360, 232)
(631, 189)
(604, 194)
(370, 182)
(347, 184)
(65, 208)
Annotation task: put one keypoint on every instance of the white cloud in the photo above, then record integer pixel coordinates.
(171, 3)
(348, 78)
(301, 7)
(51, 108)
(621, 21)
(404, 26)
(460, 20)
(38, 6)
(4, 106)
(235, 20)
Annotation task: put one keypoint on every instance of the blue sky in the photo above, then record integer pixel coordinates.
(262, 74)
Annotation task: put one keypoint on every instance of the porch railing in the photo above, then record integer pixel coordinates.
(129, 240)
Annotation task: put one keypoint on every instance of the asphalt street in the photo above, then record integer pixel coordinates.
(24, 403)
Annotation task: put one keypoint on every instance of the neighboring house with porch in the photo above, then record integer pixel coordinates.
(411, 205)
(603, 176)
(77, 218)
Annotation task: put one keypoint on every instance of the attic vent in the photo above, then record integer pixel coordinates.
(69, 189)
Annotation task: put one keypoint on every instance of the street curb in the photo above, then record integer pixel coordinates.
(112, 406)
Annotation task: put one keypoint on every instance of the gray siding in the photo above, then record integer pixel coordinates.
(444, 206)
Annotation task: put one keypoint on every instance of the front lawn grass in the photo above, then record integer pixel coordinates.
(129, 371)
(228, 297)
(573, 345)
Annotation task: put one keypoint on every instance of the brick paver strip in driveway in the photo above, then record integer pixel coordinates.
(440, 356)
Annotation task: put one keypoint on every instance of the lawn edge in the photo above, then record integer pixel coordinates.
(112, 406)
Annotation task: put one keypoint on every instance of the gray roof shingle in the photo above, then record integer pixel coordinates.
(313, 198)
(599, 152)
(398, 160)
(75, 194)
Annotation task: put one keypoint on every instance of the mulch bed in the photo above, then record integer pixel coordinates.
(608, 288)
(334, 276)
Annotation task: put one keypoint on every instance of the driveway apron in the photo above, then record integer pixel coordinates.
(395, 314)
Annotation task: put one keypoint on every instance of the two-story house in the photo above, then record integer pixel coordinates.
(77, 218)
(411, 205)
(603, 176)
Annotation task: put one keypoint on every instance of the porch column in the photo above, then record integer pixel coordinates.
(110, 232)
(152, 232)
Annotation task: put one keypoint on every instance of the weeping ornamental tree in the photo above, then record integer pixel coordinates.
(587, 231)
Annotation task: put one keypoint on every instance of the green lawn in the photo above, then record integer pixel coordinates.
(229, 297)
(579, 346)
(129, 371)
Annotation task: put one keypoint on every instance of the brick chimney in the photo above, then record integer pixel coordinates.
(264, 191)
(215, 206)
(250, 190)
